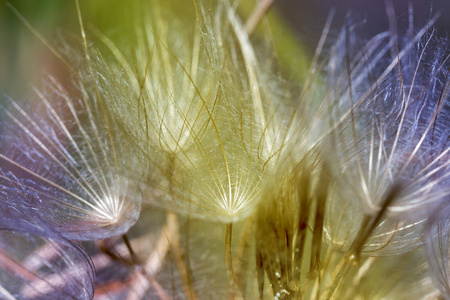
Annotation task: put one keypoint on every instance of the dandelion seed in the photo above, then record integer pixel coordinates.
(294, 257)
(200, 112)
(394, 132)
(59, 172)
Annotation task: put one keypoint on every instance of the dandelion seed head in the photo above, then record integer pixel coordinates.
(330, 187)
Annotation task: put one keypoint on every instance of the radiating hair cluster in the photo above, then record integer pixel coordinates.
(181, 163)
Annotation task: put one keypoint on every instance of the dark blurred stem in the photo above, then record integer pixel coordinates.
(260, 273)
(258, 13)
(133, 256)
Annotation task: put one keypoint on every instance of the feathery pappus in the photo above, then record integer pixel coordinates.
(393, 135)
(60, 174)
(183, 164)
(199, 109)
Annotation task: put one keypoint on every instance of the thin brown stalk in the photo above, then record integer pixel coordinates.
(241, 259)
(233, 292)
(181, 260)
(257, 15)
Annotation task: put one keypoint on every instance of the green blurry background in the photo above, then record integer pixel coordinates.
(24, 58)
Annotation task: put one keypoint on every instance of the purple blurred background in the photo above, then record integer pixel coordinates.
(308, 17)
